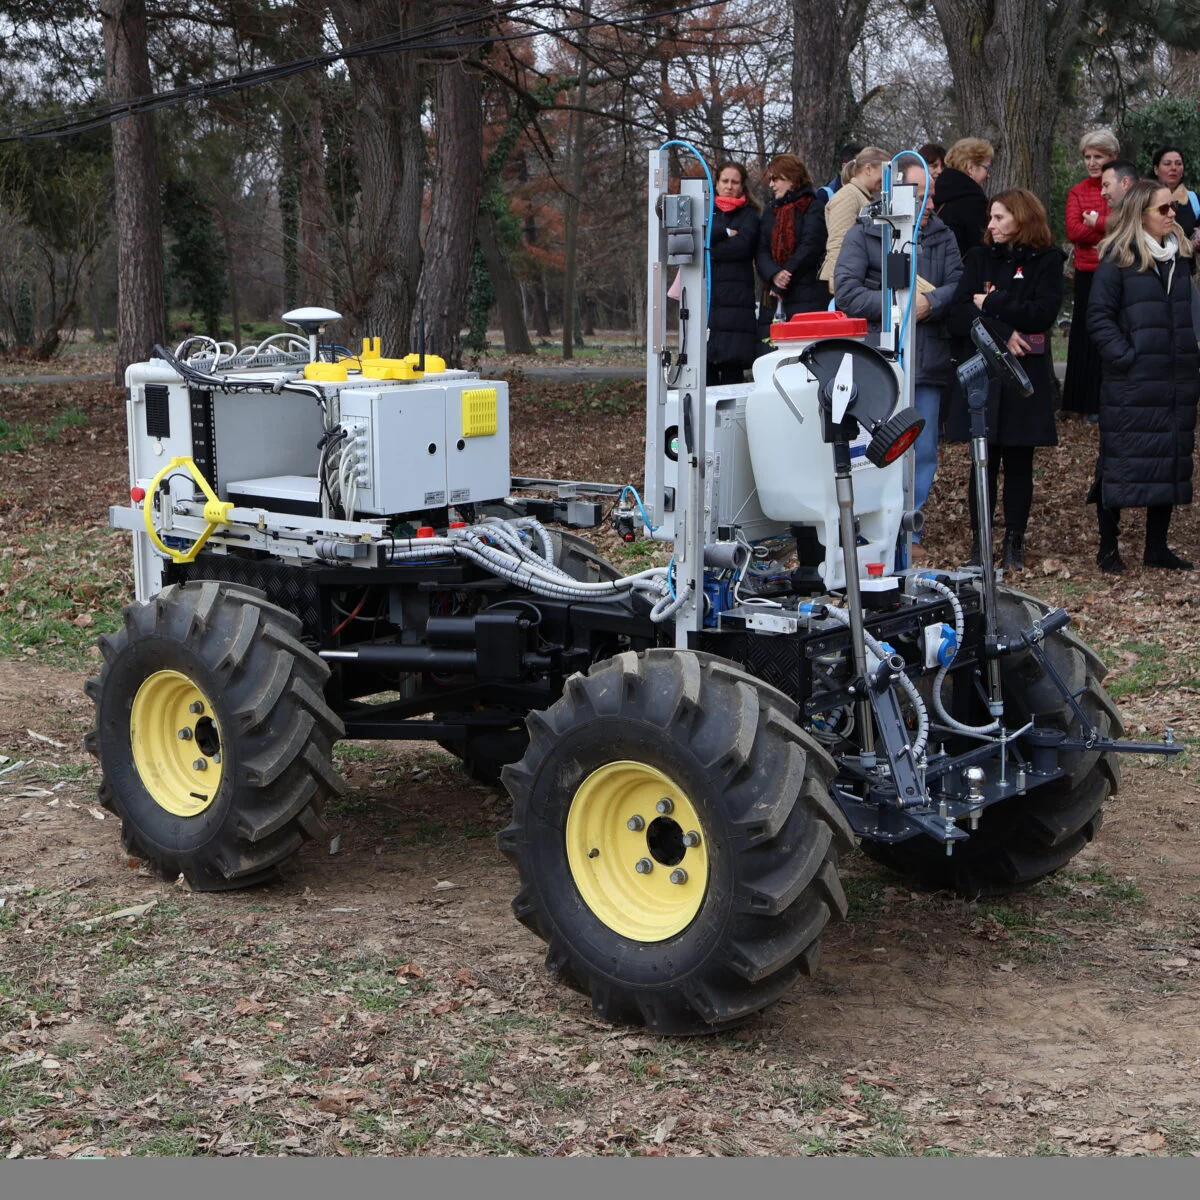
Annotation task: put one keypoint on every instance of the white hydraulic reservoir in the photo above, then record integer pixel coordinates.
(793, 465)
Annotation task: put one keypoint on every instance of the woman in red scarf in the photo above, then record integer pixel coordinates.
(733, 329)
(791, 246)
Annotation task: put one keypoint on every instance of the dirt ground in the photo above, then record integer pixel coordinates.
(382, 999)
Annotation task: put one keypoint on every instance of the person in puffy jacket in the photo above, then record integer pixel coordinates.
(958, 195)
(1014, 282)
(857, 286)
(791, 243)
(1087, 219)
(732, 320)
(1140, 317)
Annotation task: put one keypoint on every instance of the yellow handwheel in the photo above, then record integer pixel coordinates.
(216, 510)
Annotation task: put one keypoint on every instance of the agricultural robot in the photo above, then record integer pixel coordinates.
(330, 544)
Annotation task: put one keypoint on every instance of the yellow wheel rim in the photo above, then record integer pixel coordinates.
(176, 743)
(638, 851)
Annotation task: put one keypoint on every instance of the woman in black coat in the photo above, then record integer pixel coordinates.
(732, 321)
(958, 195)
(1140, 317)
(791, 242)
(1015, 282)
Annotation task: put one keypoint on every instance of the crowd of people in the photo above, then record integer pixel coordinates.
(1133, 366)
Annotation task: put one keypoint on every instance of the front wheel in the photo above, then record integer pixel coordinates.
(213, 734)
(676, 841)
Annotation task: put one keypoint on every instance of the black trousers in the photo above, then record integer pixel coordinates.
(1018, 485)
(1158, 522)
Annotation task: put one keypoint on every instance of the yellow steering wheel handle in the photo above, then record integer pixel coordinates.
(216, 510)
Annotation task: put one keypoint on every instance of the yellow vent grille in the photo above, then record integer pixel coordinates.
(478, 412)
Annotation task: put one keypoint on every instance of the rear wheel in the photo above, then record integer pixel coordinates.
(676, 841)
(1027, 837)
(213, 734)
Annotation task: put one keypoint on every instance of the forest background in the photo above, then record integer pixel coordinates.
(167, 169)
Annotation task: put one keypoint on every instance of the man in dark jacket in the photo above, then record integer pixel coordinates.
(857, 293)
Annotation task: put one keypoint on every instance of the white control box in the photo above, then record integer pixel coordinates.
(428, 444)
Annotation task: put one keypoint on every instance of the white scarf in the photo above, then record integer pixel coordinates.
(1166, 251)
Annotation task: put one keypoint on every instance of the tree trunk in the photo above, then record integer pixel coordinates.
(454, 206)
(97, 321)
(541, 314)
(508, 294)
(390, 150)
(137, 207)
(231, 273)
(1009, 60)
(574, 187)
(826, 33)
(315, 277)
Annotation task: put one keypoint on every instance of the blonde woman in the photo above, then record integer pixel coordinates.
(1087, 217)
(1140, 318)
(862, 178)
(959, 197)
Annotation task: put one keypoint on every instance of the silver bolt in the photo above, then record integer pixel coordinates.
(679, 875)
(217, 757)
(635, 824)
(185, 735)
(691, 838)
(643, 866)
(196, 707)
(665, 805)
(200, 765)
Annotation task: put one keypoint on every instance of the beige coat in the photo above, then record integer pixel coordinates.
(840, 213)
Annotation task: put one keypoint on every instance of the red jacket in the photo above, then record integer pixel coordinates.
(1085, 197)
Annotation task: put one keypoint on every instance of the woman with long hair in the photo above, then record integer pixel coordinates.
(1014, 281)
(1087, 218)
(862, 178)
(1140, 317)
(791, 243)
(1167, 165)
(732, 321)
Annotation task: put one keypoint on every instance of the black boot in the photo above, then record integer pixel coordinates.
(1163, 556)
(1014, 550)
(1108, 559)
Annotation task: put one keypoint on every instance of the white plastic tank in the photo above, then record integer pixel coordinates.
(793, 466)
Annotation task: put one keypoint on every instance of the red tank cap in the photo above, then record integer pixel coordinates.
(874, 570)
(137, 494)
(425, 531)
(458, 525)
(809, 326)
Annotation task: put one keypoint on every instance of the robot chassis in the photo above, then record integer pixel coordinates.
(689, 748)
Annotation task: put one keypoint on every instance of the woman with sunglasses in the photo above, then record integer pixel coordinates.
(1087, 215)
(791, 244)
(1014, 282)
(1140, 318)
(958, 196)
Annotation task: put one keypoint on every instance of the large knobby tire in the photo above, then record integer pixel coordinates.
(1027, 837)
(680, 955)
(485, 753)
(213, 734)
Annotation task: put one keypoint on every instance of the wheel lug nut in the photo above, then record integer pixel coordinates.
(196, 707)
(199, 765)
(635, 824)
(643, 866)
(679, 875)
(691, 838)
(217, 757)
(665, 805)
(185, 735)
